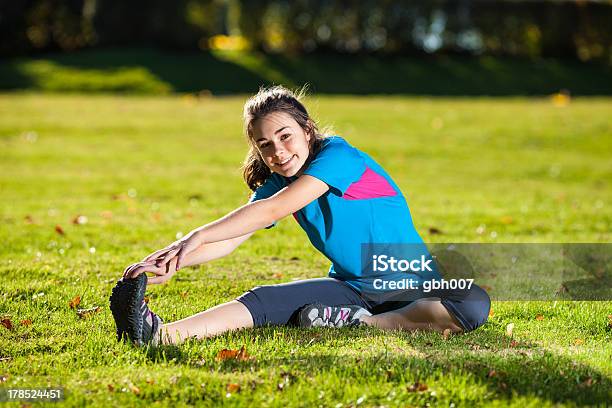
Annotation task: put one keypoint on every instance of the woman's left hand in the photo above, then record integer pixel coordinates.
(179, 250)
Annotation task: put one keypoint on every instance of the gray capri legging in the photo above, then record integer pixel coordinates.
(280, 304)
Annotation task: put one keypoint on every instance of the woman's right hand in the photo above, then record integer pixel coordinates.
(163, 273)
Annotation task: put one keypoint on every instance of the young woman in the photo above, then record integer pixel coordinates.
(347, 205)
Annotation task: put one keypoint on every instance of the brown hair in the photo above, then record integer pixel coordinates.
(266, 101)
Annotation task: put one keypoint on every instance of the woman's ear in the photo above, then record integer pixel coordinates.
(310, 130)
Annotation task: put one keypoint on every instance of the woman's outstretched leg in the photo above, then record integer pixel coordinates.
(428, 314)
(232, 315)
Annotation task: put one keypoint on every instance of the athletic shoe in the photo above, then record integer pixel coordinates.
(131, 313)
(318, 315)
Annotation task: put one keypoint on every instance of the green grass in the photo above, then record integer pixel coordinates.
(149, 71)
(142, 169)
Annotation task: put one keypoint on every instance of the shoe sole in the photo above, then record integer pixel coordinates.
(125, 304)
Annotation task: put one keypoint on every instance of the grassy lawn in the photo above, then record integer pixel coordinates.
(144, 170)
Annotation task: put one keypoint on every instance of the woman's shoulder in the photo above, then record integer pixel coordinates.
(334, 143)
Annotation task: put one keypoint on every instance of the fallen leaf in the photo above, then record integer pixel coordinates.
(150, 381)
(6, 322)
(509, 329)
(514, 344)
(277, 275)
(539, 317)
(435, 231)
(184, 294)
(227, 354)
(26, 322)
(492, 373)
(587, 383)
(75, 302)
(85, 313)
(294, 258)
(110, 387)
(28, 219)
(79, 220)
(134, 389)
(418, 387)
(446, 334)
(233, 387)
(491, 313)
(578, 342)
(107, 214)
(59, 230)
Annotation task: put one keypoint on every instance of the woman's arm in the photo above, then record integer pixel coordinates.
(248, 218)
(214, 250)
(204, 253)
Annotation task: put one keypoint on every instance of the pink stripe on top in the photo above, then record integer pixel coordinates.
(370, 185)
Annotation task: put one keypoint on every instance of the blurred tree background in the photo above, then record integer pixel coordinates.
(551, 28)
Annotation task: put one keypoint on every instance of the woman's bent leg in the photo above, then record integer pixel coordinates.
(457, 310)
(217, 320)
(428, 314)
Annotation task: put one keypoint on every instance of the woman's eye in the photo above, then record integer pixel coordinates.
(285, 136)
(264, 145)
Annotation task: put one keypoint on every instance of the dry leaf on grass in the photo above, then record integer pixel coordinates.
(59, 230)
(26, 322)
(6, 322)
(75, 302)
(418, 387)
(578, 342)
(435, 231)
(134, 389)
(227, 354)
(587, 383)
(514, 344)
(491, 313)
(233, 387)
(277, 275)
(79, 220)
(539, 317)
(28, 219)
(85, 313)
(110, 387)
(492, 373)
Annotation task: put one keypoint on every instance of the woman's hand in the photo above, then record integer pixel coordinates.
(164, 273)
(176, 251)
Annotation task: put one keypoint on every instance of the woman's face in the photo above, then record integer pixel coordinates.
(283, 144)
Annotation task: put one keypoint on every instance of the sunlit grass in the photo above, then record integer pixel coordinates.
(144, 169)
